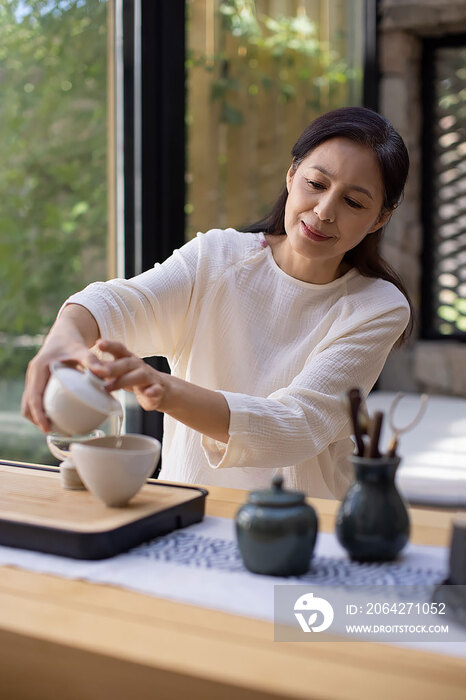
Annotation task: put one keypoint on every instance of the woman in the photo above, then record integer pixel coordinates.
(264, 330)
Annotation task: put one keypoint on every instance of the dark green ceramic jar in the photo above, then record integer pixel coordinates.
(276, 531)
(373, 521)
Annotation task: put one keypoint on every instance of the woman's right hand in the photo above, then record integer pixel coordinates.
(68, 341)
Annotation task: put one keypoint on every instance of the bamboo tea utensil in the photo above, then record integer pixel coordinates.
(364, 418)
(372, 449)
(397, 431)
(354, 403)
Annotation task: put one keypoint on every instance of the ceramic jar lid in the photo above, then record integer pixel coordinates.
(277, 496)
(87, 387)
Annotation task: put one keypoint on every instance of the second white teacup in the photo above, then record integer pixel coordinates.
(114, 468)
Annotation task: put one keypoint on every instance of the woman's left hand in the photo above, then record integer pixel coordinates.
(129, 372)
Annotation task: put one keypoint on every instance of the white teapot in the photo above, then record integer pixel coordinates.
(76, 402)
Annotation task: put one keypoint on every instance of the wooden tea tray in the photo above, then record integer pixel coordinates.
(37, 513)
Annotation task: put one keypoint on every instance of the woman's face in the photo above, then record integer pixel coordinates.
(335, 199)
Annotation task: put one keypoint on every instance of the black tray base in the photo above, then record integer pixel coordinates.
(107, 543)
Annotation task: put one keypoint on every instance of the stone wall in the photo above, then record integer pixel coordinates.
(437, 367)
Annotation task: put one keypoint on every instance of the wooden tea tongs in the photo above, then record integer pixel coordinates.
(397, 431)
(354, 404)
(372, 450)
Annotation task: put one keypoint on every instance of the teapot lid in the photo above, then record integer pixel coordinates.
(276, 495)
(87, 387)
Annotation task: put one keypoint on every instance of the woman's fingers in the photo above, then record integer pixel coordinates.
(151, 397)
(123, 365)
(114, 348)
(126, 370)
(129, 372)
(92, 361)
(129, 380)
(124, 360)
(37, 376)
(153, 390)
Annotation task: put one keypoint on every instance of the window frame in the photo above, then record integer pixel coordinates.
(371, 70)
(428, 77)
(153, 53)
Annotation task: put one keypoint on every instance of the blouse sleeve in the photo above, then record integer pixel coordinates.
(301, 420)
(147, 312)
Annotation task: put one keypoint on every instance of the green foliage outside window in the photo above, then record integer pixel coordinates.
(283, 53)
(53, 218)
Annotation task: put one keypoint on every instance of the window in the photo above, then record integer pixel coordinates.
(257, 74)
(131, 124)
(55, 235)
(444, 188)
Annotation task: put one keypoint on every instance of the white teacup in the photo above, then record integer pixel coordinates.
(114, 468)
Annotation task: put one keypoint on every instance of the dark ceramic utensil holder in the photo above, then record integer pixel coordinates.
(276, 531)
(373, 521)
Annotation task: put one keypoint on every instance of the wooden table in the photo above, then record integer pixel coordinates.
(69, 639)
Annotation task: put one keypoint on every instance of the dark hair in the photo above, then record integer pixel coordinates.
(370, 129)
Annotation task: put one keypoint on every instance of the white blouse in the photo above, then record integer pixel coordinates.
(280, 350)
